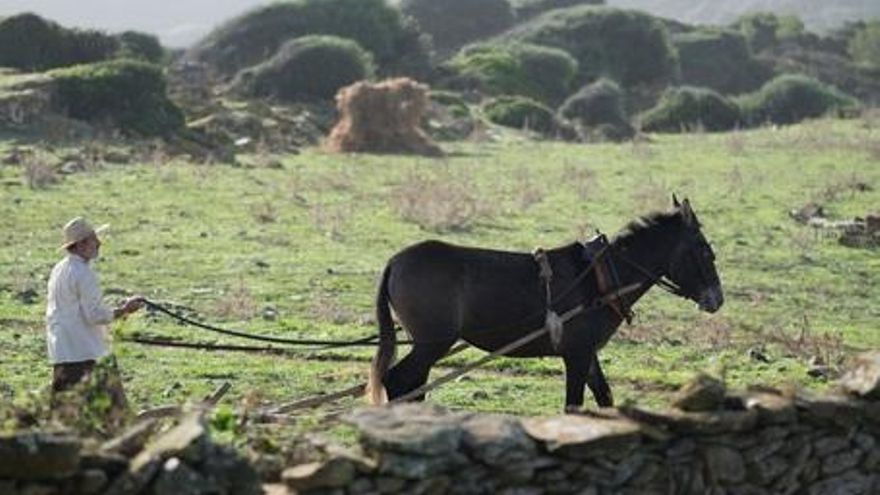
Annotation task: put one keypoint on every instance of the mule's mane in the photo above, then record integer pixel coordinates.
(653, 221)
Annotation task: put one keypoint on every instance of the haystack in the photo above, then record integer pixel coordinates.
(382, 118)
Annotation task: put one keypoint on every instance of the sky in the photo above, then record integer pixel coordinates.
(177, 23)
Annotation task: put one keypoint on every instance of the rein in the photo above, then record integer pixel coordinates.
(325, 344)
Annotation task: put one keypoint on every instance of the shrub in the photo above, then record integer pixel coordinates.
(520, 112)
(307, 68)
(791, 98)
(31, 43)
(455, 23)
(526, 9)
(864, 47)
(140, 46)
(600, 104)
(719, 59)
(765, 29)
(539, 72)
(687, 108)
(256, 36)
(129, 94)
(628, 46)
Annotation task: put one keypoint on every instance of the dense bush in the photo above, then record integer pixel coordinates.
(307, 68)
(256, 36)
(539, 72)
(765, 29)
(126, 93)
(791, 98)
(864, 47)
(688, 108)
(140, 46)
(718, 59)
(455, 23)
(600, 104)
(630, 47)
(520, 112)
(526, 9)
(31, 43)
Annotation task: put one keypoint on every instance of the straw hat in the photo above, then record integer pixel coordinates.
(77, 230)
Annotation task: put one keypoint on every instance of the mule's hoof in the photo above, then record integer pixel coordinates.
(572, 409)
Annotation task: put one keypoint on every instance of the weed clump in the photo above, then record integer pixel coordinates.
(520, 112)
(598, 108)
(719, 59)
(689, 108)
(125, 93)
(631, 47)
(455, 23)
(311, 67)
(31, 43)
(538, 72)
(791, 98)
(255, 36)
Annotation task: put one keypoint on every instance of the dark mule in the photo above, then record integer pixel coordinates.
(442, 293)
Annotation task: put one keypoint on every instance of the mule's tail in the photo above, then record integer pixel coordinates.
(387, 343)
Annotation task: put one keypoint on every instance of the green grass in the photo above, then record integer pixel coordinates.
(309, 240)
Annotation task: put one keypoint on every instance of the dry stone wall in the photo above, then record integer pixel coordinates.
(760, 442)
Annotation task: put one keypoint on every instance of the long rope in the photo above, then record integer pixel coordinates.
(326, 344)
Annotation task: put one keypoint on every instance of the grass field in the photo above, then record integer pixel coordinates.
(308, 240)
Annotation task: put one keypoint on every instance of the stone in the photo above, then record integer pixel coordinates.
(431, 486)
(841, 461)
(872, 460)
(725, 464)
(849, 483)
(767, 469)
(132, 441)
(90, 482)
(771, 408)
(71, 167)
(232, 473)
(415, 467)
(703, 393)
(497, 440)
(180, 479)
(830, 410)
(38, 456)
(7, 487)
(757, 453)
(863, 378)
(697, 423)
(38, 489)
(829, 444)
(418, 429)
(361, 486)
(333, 473)
(583, 437)
(388, 484)
(187, 441)
(112, 464)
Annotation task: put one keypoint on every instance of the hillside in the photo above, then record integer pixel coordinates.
(818, 15)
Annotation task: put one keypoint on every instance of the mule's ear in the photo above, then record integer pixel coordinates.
(675, 202)
(687, 213)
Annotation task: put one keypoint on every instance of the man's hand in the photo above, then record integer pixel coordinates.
(129, 306)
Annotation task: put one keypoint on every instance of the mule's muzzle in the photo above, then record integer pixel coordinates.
(711, 299)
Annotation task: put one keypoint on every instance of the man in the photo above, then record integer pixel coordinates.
(75, 313)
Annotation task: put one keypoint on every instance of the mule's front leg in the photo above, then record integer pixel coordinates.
(576, 368)
(598, 384)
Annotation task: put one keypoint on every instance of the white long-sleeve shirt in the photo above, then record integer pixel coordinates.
(75, 313)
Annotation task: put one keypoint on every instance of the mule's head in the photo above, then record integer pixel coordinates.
(692, 265)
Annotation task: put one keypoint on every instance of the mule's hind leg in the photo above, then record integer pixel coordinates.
(412, 371)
